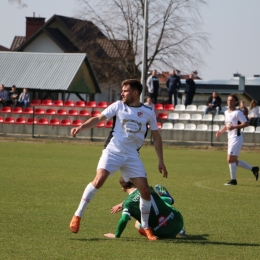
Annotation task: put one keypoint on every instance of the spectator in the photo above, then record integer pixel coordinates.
(173, 83)
(253, 114)
(149, 103)
(153, 86)
(24, 98)
(243, 108)
(213, 104)
(3, 95)
(190, 90)
(13, 96)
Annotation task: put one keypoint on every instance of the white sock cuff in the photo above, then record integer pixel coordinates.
(145, 202)
(92, 187)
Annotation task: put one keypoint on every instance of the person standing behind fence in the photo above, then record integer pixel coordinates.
(153, 86)
(173, 84)
(24, 98)
(190, 90)
(253, 114)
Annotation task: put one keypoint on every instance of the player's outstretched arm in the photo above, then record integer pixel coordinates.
(116, 208)
(220, 132)
(87, 124)
(159, 150)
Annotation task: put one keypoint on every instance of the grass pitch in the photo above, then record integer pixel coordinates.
(42, 182)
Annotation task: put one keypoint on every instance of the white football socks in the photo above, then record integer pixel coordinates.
(87, 196)
(145, 207)
(244, 165)
(233, 170)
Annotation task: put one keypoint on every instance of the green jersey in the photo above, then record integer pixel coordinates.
(165, 221)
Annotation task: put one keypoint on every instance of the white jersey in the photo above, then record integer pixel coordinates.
(130, 127)
(235, 117)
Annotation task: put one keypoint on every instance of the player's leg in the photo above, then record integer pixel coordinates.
(254, 169)
(107, 165)
(87, 196)
(164, 194)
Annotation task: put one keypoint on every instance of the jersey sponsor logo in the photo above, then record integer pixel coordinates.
(132, 126)
(140, 114)
(163, 221)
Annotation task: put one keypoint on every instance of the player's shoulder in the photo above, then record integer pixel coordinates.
(148, 107)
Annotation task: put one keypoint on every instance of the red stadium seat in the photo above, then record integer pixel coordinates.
(17, 110)
(65, 122)
(69, 103)
(102, 104)
(109, 124)
(61, 112)
(54, 121)
(76, 122)
(1, 119)
(159, 125)
(91, 104)
(39, 111)
(20, 120)
(28, 110)
(30, 121)
(47, 102)
(73, 112)
(95, 113)
(58, 103)
(100, 124)
(9, 120)
(6, 110)
(43, 121)
(50, 111)
(158, 107)
(84, 113)
(80, 104)
(35, 102)
(168, 107)
(162, 116)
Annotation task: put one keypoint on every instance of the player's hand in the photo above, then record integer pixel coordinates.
(110, 235)
(116, 208)
(74, 131)
(162, 169)
(218, 133)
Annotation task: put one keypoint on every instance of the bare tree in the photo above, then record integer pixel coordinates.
(174, 36)
(19, 3)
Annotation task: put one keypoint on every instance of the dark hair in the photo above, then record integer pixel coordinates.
(235, 97)
(13, 86)
(135, 84)
(124, 184)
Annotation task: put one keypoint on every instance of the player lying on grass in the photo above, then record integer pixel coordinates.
(164, 220)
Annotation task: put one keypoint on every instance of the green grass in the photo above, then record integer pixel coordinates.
(42, 182)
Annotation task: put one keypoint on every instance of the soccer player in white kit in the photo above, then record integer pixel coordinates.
(131, 120)
(234, 122)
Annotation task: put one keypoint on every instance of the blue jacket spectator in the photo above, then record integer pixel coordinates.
(3, 95)
(173, 83)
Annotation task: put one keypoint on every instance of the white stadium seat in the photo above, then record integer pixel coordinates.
(202, 127)
(196, 117)
(173, 116)
(179, 108)
(185, 116)
(207, 117)
(224, 108)
(190, 127)
(167, 126)
(249, 129)
(201, 108)
(178, 126)
(220, 118)
(214, 127)
(191, 108)
(257, 130)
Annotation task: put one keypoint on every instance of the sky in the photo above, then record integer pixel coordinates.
(232, 25)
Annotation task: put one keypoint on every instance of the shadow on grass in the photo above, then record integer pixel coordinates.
(194, 239)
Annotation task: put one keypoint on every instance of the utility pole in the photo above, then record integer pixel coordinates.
(145, 33)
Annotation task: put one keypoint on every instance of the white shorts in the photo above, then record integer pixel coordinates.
(128, 167)
(235, 145)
